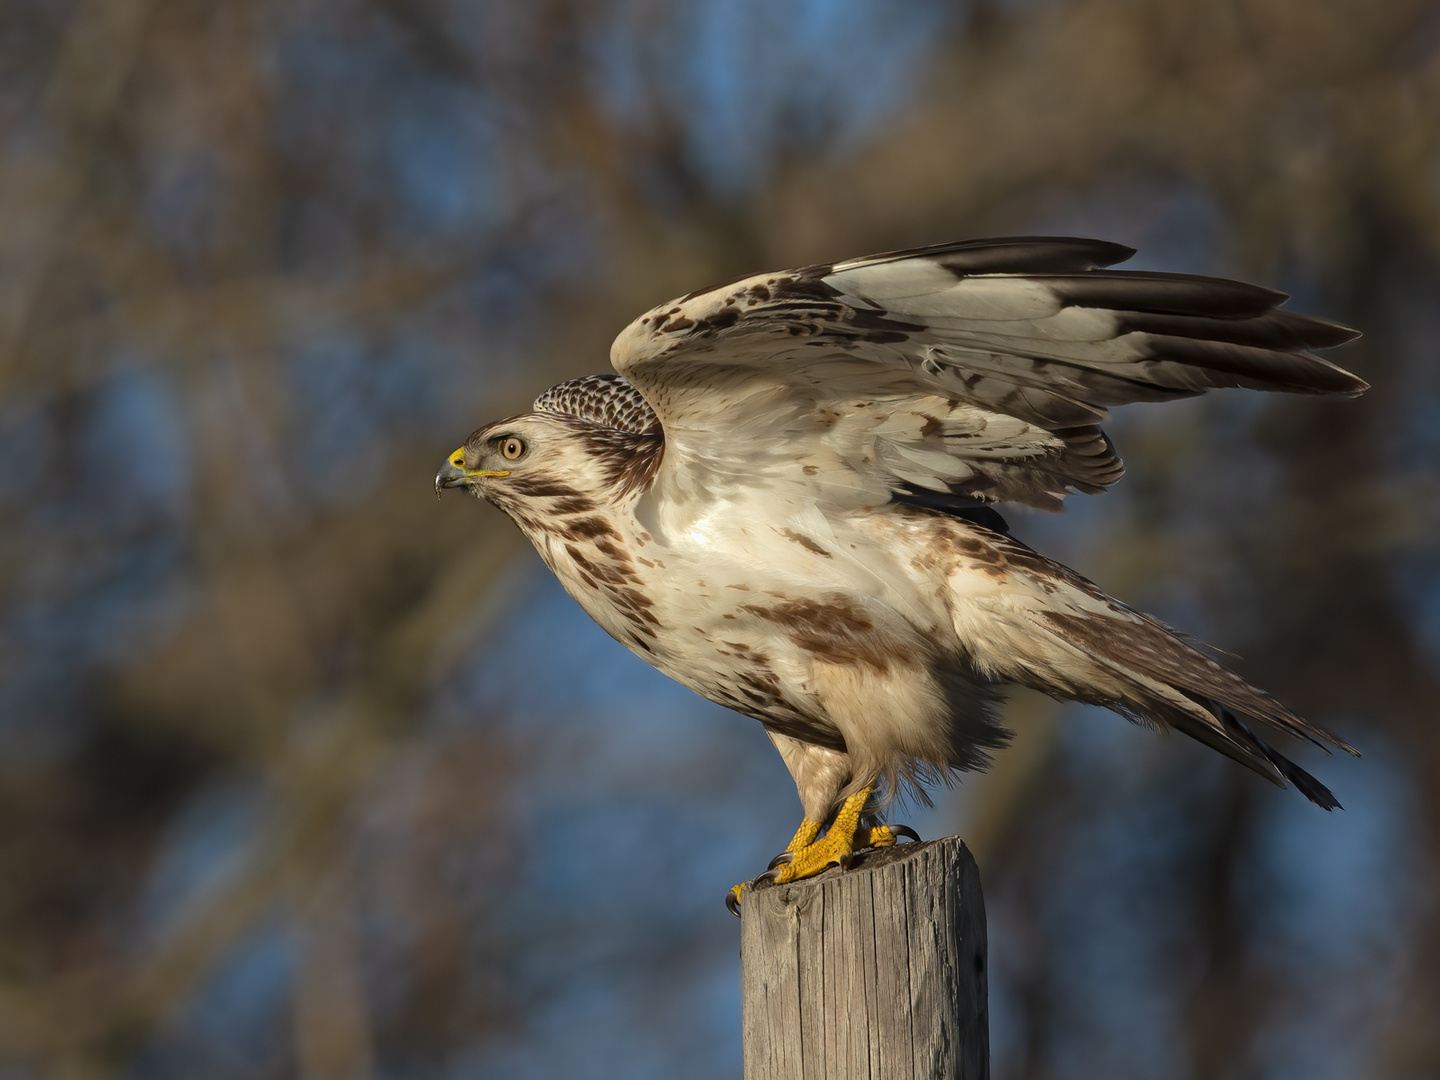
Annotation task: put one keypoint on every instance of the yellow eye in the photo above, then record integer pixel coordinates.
(512, 448)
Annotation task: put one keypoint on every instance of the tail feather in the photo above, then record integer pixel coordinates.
(1160, 653)
(1302, 781)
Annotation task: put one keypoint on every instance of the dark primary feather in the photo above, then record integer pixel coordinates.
(1001, 255)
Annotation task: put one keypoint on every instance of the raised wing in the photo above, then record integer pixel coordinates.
(976, 370)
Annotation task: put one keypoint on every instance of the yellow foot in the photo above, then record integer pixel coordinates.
(809, 856)
(804, 837)
(836, 849)
(806, 856)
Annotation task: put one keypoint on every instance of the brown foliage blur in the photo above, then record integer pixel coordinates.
(263, 264)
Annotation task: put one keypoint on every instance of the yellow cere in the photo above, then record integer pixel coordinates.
(458, 458)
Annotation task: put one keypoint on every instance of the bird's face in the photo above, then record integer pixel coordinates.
(520, 460)
(505, 451)
(543, 469)
(482, 458)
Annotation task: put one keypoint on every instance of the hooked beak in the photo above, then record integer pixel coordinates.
(454, 474)
(449, 476)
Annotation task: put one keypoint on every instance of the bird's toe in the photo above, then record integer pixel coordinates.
(732, 899)
(883, 836)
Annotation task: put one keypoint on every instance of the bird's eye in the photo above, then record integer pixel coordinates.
(512, 448)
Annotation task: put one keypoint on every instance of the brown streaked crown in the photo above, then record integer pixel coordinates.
(607, 400)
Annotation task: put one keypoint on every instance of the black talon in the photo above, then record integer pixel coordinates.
(846, 861)
(905, 831)
(732, 901)
(781, 860)
(768, 875)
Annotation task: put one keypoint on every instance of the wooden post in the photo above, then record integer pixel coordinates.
(877, 971)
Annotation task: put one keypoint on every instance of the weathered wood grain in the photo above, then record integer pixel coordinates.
(877, 972)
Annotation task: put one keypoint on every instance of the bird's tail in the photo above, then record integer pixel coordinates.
(1057, 632)
(1157, 677)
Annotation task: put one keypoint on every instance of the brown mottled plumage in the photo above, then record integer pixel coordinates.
(780, 501)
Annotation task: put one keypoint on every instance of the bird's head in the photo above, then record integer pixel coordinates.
(504, 457)
(545, 461)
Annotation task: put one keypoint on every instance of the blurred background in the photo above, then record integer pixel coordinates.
(303, 774)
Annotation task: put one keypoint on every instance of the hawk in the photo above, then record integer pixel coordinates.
(783, 501)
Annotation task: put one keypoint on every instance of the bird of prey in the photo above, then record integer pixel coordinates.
(783, 501)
